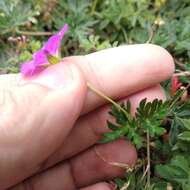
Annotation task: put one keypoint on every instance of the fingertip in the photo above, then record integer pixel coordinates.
(163, 59)
(155, 92)
(121, 71)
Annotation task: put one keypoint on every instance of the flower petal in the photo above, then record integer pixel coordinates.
(63, 30)
(54, 42)
(28, 68)
(40, 58)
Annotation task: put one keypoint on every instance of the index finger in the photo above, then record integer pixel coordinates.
(122, 71)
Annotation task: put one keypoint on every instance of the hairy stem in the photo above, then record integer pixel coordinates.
(99, 93)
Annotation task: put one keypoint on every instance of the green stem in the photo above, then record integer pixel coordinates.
(125, 35)
(109, 100)
(94, 6)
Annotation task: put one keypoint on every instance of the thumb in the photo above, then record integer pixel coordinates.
(60, 107)
(46, 108)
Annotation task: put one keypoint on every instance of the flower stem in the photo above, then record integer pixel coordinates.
(99, 93)
(152, 33)
(94, 6)
(126, 185)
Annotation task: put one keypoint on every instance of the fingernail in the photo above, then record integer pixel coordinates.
(56, 76)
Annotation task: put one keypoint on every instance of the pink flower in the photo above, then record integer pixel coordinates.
(175, 85)
(40, 59)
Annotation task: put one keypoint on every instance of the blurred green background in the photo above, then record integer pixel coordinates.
(94, 25)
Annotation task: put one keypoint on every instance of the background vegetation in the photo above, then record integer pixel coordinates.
(161, 130)
(94, 25)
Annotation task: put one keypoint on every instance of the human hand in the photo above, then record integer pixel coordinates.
(49, 124)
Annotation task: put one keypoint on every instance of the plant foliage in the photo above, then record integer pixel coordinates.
(94, 25)
(168, 128)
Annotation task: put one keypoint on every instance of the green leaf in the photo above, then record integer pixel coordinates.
(112, 126)
(181, 162)
(186, 186)
(173, 134)
(119, 115)
(151, 114)
(119, 182)
(15, 13)
(184, 136)
(186, 123)
(111, 136)
(172, 173)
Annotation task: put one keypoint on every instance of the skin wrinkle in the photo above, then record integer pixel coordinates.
(28, 185)
(47, 163)
(89, 71)
(71, 170)
(92, 68)
(26, 106)
(93, 127)
(25, 185)
(7, 100)
(7, 96)
(44, 165)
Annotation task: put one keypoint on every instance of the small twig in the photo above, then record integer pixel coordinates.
(150, 36)
(152, 33)
(179, 64)
(184, 73)
(29, 33)
(125, 186)
(169, 187)
(125, 35)
(145, 172)
(1, 40)
(116, 164)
